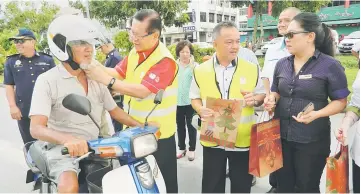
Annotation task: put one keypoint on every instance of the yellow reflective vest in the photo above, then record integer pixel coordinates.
(244, 78)
(165, 113)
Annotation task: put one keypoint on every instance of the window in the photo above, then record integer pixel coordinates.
(211, 17)
(243, 11)
(203, 16)
(338, 3)
(226, 17)
(355, 2)
(219, 18)
(242, 25)
(233, 18)
(212, 1)
(190, 15)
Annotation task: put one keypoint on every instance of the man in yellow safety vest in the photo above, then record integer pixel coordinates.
(148, 68)
(225, 76)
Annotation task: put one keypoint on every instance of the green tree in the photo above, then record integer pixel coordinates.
(114, 13)
(305, 6)
(77, 5)
(25, 14)
(121, 41)
(18, 14)
(277, 7)
(258, 5)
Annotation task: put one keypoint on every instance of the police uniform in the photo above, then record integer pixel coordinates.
(22, 72)
(113, 58)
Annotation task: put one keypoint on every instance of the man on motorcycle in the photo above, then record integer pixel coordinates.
(71, 39)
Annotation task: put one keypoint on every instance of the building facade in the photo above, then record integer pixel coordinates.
(342, 16)
(204, 16)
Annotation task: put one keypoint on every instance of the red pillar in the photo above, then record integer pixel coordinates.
(250, 11)
(269, 7)
(347, 3)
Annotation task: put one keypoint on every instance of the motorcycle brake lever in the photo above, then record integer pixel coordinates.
(82, 157)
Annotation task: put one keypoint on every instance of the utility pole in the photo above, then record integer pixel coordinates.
(87, 8)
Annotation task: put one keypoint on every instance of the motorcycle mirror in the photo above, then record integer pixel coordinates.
(158, 97)
(157, 100)
(77, 103)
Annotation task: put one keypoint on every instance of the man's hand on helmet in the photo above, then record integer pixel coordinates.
(96, 72)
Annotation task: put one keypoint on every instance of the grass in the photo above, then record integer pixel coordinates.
(351, 76)
(1, 78)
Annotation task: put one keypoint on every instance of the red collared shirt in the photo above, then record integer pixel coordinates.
(164, 69)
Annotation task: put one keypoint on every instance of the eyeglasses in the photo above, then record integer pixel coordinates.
(136, 37)
(21, 41)
(291, 34)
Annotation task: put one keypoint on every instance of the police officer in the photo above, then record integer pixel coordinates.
(113, 58)
(20, 74)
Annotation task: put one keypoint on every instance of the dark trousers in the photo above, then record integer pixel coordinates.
(303, 164)
(355, 177)
(167, 162)
(214, 171)
(184, 117)
(273, 180)
(24, 128)
(118, 126)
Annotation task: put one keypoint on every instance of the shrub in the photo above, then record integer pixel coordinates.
(121, 41)
(198, 54)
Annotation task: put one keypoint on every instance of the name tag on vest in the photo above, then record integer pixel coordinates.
(309, 76)
(242, 80)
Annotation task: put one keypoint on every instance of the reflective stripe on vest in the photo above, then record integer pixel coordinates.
(155, 113)
(165, 113)
(168, 93)
(244, 78)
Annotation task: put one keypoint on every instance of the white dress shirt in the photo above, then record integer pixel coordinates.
(273, 55)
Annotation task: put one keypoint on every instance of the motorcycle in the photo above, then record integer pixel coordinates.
(138, 171)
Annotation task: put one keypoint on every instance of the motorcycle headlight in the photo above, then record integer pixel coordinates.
(144, 145)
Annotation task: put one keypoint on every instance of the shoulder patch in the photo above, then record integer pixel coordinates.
(14, 55)
(42, 53)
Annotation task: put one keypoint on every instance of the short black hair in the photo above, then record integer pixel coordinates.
(155, 22)
(180, 46)
(224, 24)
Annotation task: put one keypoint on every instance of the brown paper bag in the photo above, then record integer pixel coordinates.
(222, 128)
(337, 172)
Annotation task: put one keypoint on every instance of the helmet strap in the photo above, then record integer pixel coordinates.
(74, 65)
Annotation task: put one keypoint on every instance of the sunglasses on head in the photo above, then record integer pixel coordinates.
(21, 41)
(290, 35)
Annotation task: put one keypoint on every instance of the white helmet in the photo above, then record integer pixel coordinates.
(71, 29)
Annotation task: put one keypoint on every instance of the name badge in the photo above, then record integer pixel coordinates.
(42, 63)
(309, 76)
(242, 80)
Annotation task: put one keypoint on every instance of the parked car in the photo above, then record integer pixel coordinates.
(270, 43)
(347, 43)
